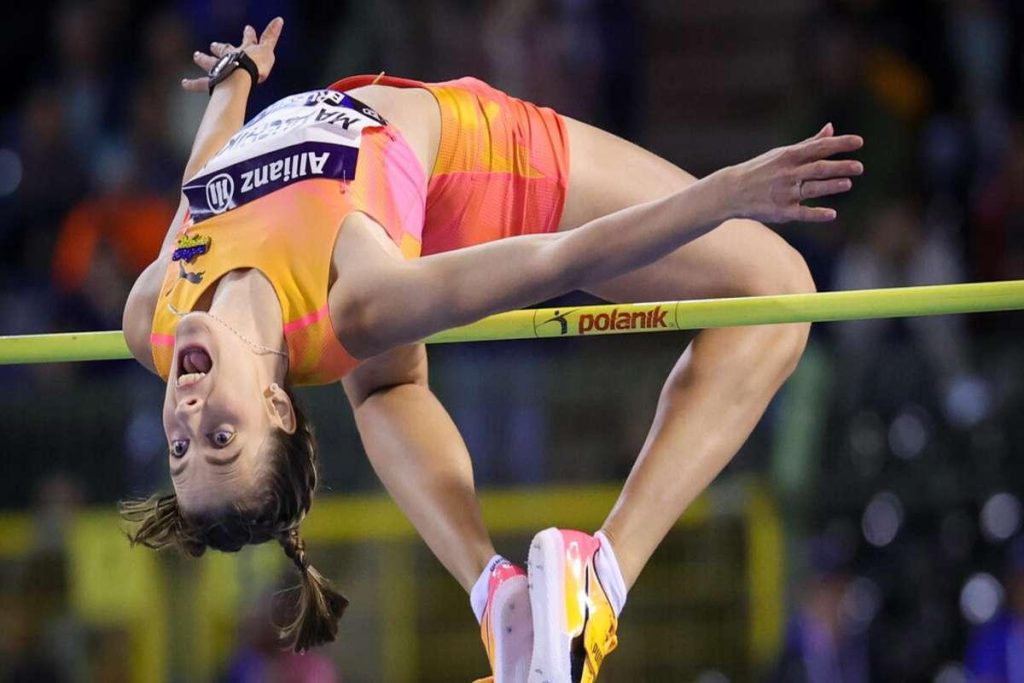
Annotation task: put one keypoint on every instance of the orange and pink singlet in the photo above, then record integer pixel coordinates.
(275, 197)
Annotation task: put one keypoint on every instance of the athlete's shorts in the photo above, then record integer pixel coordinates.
(502, 165)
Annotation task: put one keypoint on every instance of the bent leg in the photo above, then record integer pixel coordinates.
(418, 454)
(721, 385)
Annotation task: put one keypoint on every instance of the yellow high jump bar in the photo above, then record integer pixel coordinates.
(665, 316)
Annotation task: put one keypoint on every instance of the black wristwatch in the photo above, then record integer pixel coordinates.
(228, 63)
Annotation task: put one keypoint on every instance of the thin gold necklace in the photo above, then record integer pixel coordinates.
(255, 346)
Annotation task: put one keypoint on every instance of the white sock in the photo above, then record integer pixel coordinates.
(478, 595)
(609, 574)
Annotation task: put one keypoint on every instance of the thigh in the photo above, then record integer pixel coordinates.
(739, 258)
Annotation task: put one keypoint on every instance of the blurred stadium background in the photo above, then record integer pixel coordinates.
(869, 531)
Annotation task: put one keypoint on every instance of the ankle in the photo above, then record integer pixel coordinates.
(478, 591)
(471, 565)
(609, 574)
(621, 551)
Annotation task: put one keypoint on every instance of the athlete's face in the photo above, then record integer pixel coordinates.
(219, 407)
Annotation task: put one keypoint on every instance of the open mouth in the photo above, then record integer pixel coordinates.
(193, 364)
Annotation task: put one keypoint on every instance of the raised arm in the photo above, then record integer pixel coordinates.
(224, 116)
(225, 113)
(382, 302)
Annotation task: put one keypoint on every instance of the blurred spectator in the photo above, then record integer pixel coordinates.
(259, 657)
(108, 239)
(52, 179)
(169, 46)
(822, 645)
(80, 33)
(105, 243)
(995, 652)
(902, 248)
(853, 80)
(58, 499)
(144, 150)
(454, 46)
(980, 38)
(998, 242)
(496, 409)
(49, 641)
(372, 37)
(545, 51)
(576, 56)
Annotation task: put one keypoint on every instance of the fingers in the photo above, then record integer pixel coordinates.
(812, 189)
(221, 49)
(838, 168)
(196, 84)
(826, 131)
(815, 214)
(272, 32)
(820, 148)
(248, 36)
(203, 60)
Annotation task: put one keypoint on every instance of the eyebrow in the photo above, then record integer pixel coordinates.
(218, 462)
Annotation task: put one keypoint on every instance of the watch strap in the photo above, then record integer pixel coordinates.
(235, 60)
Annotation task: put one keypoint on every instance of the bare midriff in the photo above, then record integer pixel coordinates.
(413, 111)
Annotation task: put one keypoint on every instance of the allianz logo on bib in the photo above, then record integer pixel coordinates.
(228, 187)
(220, 189)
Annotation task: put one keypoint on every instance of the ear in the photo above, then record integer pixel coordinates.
(280, 408)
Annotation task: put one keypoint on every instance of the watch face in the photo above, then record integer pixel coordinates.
(219, 66)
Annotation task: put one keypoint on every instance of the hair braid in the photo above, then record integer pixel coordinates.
(295, 549)
(319, 606)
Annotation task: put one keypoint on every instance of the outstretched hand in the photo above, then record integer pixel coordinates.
(772, 187)
(260, 50)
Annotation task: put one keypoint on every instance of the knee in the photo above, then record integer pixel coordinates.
(778, 269)
(794, 277)
(791, 276)
(782, 270)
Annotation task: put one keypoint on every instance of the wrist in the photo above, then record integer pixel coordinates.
(239, 77)
(235, 84)
(725, 195)
(230, 65)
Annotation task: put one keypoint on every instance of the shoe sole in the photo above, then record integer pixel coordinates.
(550, 663)
(510, 599)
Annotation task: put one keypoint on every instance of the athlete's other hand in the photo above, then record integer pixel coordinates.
(260, 49)
(772, 187)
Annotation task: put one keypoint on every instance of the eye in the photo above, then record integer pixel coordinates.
(222, 438)
(179, 448)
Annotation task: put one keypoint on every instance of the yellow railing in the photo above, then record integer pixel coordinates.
(113, 585)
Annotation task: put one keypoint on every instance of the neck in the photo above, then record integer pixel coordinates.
(247, 302)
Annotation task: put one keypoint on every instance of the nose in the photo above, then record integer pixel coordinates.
(188, 406)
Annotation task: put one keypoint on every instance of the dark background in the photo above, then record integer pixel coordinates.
(894, 454)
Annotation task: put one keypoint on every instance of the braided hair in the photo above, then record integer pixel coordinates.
(273, 514)
(314, 621)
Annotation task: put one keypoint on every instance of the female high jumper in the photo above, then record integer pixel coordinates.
(324, 238)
